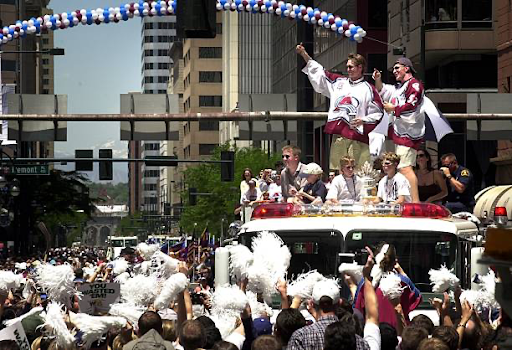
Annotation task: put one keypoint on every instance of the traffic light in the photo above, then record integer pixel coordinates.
(160, 161)
(106, 172)
(192, 195)
(227, 170)
(81, 165)
(196, 18)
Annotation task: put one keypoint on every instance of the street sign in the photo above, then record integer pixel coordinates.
(30, 169)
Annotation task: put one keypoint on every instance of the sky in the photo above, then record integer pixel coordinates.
(101, 62)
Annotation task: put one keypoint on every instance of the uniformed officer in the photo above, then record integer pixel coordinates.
(459, 181)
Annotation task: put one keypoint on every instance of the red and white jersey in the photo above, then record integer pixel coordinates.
(348, 100)
(407, 124)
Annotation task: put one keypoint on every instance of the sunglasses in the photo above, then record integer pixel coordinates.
(397, 67)
(350, 167)
(421, 155)
(286, 156)
(387, 163)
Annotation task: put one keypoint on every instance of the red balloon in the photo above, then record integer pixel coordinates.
(260, 3)
(116, 20)
(317, 16)
(245, 3)
(274, 5)
(345, 26)
(304, 12)
(62, 26)
(331, 20)
(97, 21)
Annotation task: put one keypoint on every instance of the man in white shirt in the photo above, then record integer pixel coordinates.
(346, 186)
(394, 187)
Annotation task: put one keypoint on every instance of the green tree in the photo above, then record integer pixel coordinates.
(223, 196)
(110, 193)
(131, 225)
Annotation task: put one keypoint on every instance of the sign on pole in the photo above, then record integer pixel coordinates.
(16, 333)
(30, 169)
(97, 297)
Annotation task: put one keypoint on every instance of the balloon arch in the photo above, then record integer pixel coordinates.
(124, 12)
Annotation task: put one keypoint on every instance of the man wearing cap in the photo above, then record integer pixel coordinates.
(355, 107)
(407, 123)
(315, 191)
(325, 300)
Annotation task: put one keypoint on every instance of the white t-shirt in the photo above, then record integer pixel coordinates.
(372, 335)
(236, 339)
(390, 189)
(344, 189)
(274, 192)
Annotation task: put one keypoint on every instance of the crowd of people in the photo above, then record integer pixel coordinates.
(312, 316)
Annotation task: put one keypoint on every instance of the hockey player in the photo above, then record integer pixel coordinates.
(407, 123)
(355, 107)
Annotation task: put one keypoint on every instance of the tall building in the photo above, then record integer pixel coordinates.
(504, 41)
(202, 79)
(158, 35)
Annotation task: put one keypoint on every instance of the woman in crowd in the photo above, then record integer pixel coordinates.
(246, 177)
(431, 183)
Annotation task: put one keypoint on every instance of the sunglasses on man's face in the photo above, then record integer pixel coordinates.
(397, 67)
(350, 167)
(286, 156)
(387, 163)
(421, 155)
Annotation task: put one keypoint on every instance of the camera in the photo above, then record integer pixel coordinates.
(361, 256)
(197, 299)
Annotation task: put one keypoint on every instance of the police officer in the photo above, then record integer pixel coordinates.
(459, 181)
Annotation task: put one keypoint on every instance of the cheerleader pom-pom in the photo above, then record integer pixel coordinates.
(94, 327)
(241, 258)
(271, 252)
(228, 299)
(163, 264)
(176, 284)
(122, 278)
(140, 290)
(391, 286)
(9, 281)
(442, 280)
(128, 311)
(57, 282)
(55, 327)
(147, 250)
(354, 270)
(304, 284)
(120, 266)
(258, 309)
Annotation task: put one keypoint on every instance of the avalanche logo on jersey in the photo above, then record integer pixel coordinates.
(347, 104)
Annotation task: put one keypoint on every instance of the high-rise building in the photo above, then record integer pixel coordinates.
(158, 35)
(504, 32)
(202, 78)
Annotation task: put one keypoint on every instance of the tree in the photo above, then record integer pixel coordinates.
(222, 196)
(131, 225)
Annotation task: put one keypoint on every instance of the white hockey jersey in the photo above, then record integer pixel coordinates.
(348, 100)
(407, 123)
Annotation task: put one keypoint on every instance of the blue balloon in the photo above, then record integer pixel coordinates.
(351, 38)
(222, 2)
(88, 15)
(122, 11)
(353, 30)
(238, 2)
(158, 8)
(252, 3)
(24, 27)
(297, 11)
(1, 37)
(125, 17)
(268, 4)
(325, 18)
(11, 31)
(106, 13)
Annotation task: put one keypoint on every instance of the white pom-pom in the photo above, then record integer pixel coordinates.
(442, 280)
(140, 290)
(228, 299)
(304, 284)
(163, 265)
(353, 269)
(225, 323)
(122, 278)
(258, 309)
(241, 259)
(128, 311)
(57, 282)
(55, 326)
(391, 286)
(8, 281)
(93, 327)
(147, 250)
(120, 266)
(377, 272)
(176, 284)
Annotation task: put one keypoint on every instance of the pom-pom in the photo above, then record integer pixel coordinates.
(128, 311)
(304, 284)
(55, 326)
(391, 286)
(442, 280)
(140, 290)
(258, 309)
(176, 284)
(122, 278)
(57, 282)
(120, 266)
(270, 251)
(377, 272)
(225, 323)
(163, 265)
(241, 259)
(147, 250)
(228, 299)
(8, 281)
(93, 327)
(353, 269)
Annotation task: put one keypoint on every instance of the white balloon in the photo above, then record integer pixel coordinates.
(136, 13)
(83, 12)
(153, 11)
(30, 22)
(293, 14)
(40, 20)
(327, 24)
(136, 5)
(48, 24)
(16, 34)
(286, 13)
(320, 22)
(46, 18)
(101, 18)
(126, 7)
(84, 20)
(360, 30)
(347, 33)
(351, 25)
(356, 37)
(227, 5)
(294, 7)
(130, 14)
(359, 40)
(271, 9)
(145, 5)
(340, 30)
(111, 17)
(256, 7)
(248, 8)
(299, 15)
(233, 6)
(278, 11)
(313, 20)
(66, 22)
(111, 10)
(64, 15)
(75, 21)
(289, 6)
(306, 18)
(263, 8)
(56, 16)
(240, 7)
(333, 27)
(94, 15)
(323, 14)
(363, 34)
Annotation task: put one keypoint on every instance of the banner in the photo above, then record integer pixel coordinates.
(16, 333)
(97, 297)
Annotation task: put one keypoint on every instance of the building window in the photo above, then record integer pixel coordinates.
(150, 200)
(151, 146)
(46, 92)
(148, 39)
(208, 125)
(46, 41)
(210, 52)
(46, 61)
(148, 65)
(148, 25)
(46, 81)
(149, 187)
(206, 149)
(163, 79)
(163, 52)
(210, 77)
(163, 65)
(218, 28)
(148, 52)
(162, 91)
(186, 152)
(166, 25)
(46, 71)
(151, 173)
(210, 101)
(148, 80)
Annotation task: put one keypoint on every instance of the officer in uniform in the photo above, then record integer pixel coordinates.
(459, 181)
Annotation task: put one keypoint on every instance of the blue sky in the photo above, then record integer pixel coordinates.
(101, 62)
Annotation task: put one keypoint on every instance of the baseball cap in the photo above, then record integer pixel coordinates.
(261, 326)
(326, 288)
(404, 61)
(312, 169)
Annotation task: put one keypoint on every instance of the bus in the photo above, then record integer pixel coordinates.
(117, 243)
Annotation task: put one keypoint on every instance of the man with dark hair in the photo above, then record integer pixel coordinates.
(287, 322)
(339, 336)
(9, 345)
(459, 181)
(150, 334)
(192, 335)
(325, 299)
(448, 335)
(423, 321)
(388, 336)
(266, 342)
(412, 337)
(212, 333)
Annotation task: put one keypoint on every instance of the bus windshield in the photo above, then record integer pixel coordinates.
(417, 252)
(117, 243)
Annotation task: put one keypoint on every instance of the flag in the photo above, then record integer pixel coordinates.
(204, 239)
(436, 125)
(182, 243)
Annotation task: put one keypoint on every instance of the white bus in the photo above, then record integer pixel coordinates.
(117, 244)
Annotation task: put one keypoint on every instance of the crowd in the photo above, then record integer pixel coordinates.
(160, 309)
